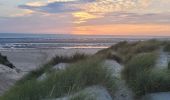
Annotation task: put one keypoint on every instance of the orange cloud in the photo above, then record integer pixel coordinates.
(81, 16)
(125, 29)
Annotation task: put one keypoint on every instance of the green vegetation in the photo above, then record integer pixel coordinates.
(139, 59)
(169, 65)
(108, 54)
(167, 47)
(140, 63)
(142, 78)
(156, 81)
(4, 61)
(136, 71)
(46, 67)
(126, 50)
(78, 76)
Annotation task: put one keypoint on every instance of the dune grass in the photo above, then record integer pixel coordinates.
(55, 60)
(136, 71)
(140, 63)
(126, 50)
(108, 54)
(167, 47)
(169, 65)
(139, 59)
(142, 78)
(5, 61)
(152, 81)
(77, 76)
(156, 81)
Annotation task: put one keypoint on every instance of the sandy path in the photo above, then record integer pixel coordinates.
(123, 92)
(163, 60)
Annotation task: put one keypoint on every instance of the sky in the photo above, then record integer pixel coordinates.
(92, 17)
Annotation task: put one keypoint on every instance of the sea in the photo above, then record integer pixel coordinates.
(65, 41)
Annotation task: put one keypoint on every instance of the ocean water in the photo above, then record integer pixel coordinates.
(47, 41)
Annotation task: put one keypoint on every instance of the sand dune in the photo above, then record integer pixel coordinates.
(27, 60)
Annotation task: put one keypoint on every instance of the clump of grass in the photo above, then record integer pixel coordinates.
(142, 78)
(56, 60)
(30, 90)
(136, 71)
(77, 56)
(167, 47)
(114, 56)
(157, 81)
(151, 82)
(109, 54)
(140, 63)
(169, 65)
(78, 76)
(146, 46)
(126, 50)
(5, 61)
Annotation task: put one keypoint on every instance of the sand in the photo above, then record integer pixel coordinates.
(157, 96)
(123, 92)
(8, 77)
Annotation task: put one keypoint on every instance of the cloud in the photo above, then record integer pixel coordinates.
(91, 6)
(84, 9)
(130, 18)
(109, 11)
(35, 4)
(56, 6)
(83, 16)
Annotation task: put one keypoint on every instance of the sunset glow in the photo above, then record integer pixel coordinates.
(113, 17)
(125, 29)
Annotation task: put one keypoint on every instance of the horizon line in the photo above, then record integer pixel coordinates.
(83, 34)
